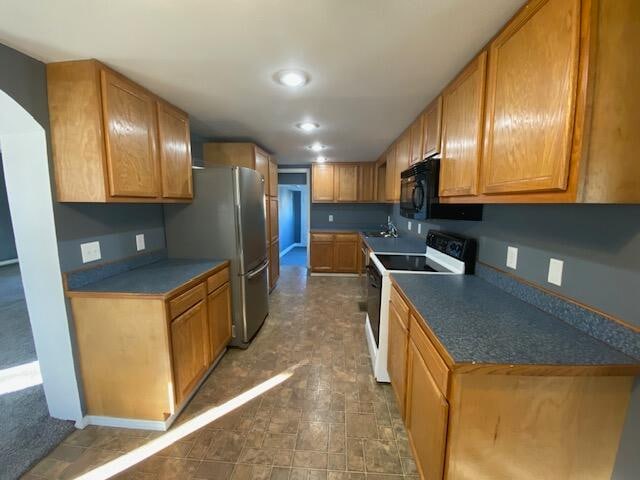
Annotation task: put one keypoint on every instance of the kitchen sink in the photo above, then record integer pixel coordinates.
(376, 234)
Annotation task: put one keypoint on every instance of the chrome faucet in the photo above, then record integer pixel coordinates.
(391, 228)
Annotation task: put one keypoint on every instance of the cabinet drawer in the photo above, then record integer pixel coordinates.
(346, 237)
(322, 237)
(186, 300)
(217, 279)
(401, 307)
(429, 354)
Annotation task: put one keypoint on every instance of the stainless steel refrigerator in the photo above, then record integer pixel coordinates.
(226, 220)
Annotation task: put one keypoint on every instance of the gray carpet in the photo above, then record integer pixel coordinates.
(27, 432)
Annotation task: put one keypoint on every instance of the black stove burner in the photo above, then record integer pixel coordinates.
(411, 263)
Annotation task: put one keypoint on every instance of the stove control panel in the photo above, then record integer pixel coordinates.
(460, 248)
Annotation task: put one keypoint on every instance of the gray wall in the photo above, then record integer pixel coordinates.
(349, 215)
(7, 242)
(600, 246)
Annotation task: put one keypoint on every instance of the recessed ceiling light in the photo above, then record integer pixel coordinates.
(321, 159)
(307, 126)
(292, 78)
(316, 147)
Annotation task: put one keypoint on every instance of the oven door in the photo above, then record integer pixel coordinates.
(374, 294)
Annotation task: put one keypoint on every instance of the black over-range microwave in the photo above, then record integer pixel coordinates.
(419, 195)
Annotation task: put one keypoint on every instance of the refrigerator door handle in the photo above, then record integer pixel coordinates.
(257, 271)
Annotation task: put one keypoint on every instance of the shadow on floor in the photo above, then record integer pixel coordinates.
(295, 257)
(27, 432)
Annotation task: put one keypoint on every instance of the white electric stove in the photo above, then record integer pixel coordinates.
(445, 254)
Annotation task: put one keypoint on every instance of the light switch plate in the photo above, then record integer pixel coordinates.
(419, 228)
(512, 257)
(140, 242)
(409, 226)
(331, 218)
(555, 271)
(90, 252)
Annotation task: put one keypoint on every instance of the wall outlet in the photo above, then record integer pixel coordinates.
(140, 242)
(90, 252)
(512, 257)
(409, 226)
(331, 218)
(555, 271)
(419, 228)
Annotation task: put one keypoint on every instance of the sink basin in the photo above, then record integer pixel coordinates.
(376, 234)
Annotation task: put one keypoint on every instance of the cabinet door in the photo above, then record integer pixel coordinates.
(174, 143)
(462, 111)
(416, 140)
(432, 128)
(274, 264)
(274, 234)
(346, 177)
(219, 313)
(367, 182)
(426, 417)
(321, 256)
(262, 167)
(273, 177)
(129, 115)
(391, 179)
(531, 93)
(397, 357)
(322, 183)
(402, 157)
(190, 349)
(345, 256)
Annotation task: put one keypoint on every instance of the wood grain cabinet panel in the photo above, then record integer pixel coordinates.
(190, 349)
(432, 135)
(219, 319)
(174, 145)
(274, 264)
(261, 165)
(403, 157)
(345, 254)
(346, 178)
(130, 137)
(392, 182)
(417, 131)
(273, 177)
(367, 182)
(274, 234)
(321, 256)
(531, 93)
(397, 357)
(322, 183)
(463, 105)
(426, 417)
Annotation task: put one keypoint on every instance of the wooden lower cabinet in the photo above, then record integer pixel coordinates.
(190, 348)
(335, 252)
(141, 356)
(274, 264)
(426, 416)
(486, 422)
(219, 311)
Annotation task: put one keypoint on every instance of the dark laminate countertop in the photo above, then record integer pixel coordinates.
(396, 245)
(158, 278)
(479, 323)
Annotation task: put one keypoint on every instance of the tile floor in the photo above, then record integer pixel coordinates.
(329, 420)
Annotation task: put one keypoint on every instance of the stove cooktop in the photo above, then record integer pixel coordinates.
(410, 263)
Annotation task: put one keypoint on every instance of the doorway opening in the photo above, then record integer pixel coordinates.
(293, 216)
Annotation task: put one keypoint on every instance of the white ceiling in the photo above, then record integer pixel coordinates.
(374, 64)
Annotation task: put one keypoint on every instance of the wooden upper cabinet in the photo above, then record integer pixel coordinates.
(274, 233)
(432, 128)
(261, 165)
(403, 151)
(417, 128)
(174, 141)
(322, 182)
(531, 94)
(346, 187)
(367, 182)
(273, 177)
(392, 182)
(130, 136)
(462, 121)
(113, 140)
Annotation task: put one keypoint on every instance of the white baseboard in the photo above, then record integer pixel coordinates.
(291, 247)
(158, 425)
(11, 261)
